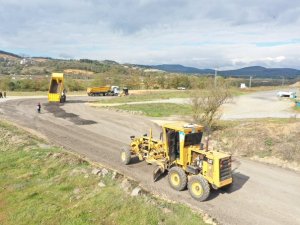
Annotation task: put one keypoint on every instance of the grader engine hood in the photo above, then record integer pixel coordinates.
(218, 169)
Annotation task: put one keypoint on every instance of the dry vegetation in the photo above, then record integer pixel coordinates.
(267, 138)
(206, 106)
(77, 71)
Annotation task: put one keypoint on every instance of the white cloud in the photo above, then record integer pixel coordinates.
(219, 34)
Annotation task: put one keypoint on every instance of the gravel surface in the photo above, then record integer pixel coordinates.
(259, 105)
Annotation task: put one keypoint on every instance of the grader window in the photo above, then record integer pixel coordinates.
(193, 139)
(173, 143)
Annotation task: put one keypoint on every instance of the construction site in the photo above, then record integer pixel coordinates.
(184, 164)
(139, 112)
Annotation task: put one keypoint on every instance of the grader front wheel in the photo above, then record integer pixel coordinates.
(177, 178)
(125, 155)
(198, 188)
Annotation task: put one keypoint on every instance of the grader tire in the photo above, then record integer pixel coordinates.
(177, 178)
(199, 188)
(125, 155)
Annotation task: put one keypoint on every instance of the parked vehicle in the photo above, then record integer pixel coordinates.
(104, 90)
(287, 94)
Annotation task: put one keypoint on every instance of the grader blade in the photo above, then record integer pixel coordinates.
(157, 172)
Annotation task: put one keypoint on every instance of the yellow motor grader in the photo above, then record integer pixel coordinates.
(180, 152)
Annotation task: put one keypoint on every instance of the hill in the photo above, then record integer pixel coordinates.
(257, 71)
(9, 55)
(260, 71)
(176, 68)
(96, 66)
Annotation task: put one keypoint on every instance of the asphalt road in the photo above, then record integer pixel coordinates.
(261, 194)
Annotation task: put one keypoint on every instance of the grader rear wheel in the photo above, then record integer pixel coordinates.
(177, 178)
(198, 188)
(125, 155)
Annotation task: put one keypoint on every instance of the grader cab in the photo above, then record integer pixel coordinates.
(181, 152)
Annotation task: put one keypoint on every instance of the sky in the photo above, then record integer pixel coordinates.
(217, 34)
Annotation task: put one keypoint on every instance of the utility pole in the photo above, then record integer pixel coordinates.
(250, 81)
(215, 81)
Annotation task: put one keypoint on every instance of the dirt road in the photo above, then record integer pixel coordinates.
(261, 194)
(259, 105)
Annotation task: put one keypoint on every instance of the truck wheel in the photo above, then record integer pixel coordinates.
(198, 188)
(62, 99)
(125, 155)
(177, 178)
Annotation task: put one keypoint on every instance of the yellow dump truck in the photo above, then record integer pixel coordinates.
(57, 91)
(104, 90)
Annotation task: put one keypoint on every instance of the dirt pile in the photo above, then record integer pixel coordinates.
(279, 139)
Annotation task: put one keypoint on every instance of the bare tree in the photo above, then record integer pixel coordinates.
(206, 104)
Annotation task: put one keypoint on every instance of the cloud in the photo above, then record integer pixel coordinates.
(218, 34)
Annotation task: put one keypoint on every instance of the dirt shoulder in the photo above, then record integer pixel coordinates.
(274, 141)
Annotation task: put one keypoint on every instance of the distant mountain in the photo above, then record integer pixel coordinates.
(176, 68)
(260, 71)
(257, 71)
(4, 54)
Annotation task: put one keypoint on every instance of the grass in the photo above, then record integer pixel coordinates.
(147, 96)
(42, 184)
(158, 109)
(296, 107)
(40, 93)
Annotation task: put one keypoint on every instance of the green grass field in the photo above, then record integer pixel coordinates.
(41, 93)
(147, 96)
(158, 109)
(42, 184)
